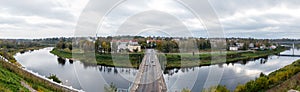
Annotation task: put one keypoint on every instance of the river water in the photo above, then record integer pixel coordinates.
(94, 78)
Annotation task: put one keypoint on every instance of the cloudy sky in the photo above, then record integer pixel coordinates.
(239, 18)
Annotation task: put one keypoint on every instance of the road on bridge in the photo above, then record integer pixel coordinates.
(149, 77)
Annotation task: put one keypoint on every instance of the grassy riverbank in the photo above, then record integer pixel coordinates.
(276, 78)
(190, 60)
(10, 82)
(103, 59)
(11, 77)
(174, 60)
(11, 74)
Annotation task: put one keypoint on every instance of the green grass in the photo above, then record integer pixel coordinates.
(61, 53)
(189, 60)
(275, 78)
(11, 77)
(10, 82)
(121, 60)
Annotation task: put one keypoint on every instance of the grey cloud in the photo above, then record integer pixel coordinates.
(36, 8)
(229, 7)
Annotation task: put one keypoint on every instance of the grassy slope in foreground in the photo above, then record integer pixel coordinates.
(277, 77)
(35, 82)
(10, 82)
(174, 59)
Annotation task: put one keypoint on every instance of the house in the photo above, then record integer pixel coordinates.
(251, 45)
(125, 45)
(273, 47)
(262, 47)
(240, 45)
(233, 48)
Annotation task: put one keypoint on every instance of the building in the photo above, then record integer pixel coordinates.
(240, 45)
(273, 47)
(233, 48)
(263, 47)
(125, 45)
(251, 45)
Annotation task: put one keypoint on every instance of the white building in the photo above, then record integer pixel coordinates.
(233, 48)
(240, 45)
(273, 47)
(125, 45)
(251, 45)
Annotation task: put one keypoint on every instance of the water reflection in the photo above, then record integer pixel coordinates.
(61, 61)
(71, 61)
(91, 77)
(234, 73)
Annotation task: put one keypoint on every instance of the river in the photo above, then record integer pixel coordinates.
(92, 78)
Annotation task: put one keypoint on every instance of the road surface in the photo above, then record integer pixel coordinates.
(149, 78)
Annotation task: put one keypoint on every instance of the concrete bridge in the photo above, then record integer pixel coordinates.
(150, 77)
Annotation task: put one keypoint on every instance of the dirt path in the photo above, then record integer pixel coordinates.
(28, 86)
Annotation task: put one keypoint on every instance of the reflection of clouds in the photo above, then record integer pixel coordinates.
(121, 77)
(233, 73)
(246, 71)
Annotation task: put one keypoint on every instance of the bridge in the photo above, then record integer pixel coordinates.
(150, 77)
(289, 44)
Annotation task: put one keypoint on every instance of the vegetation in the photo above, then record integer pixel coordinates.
(188, 60)
(186, 90)
(219, 88)
(10, 82)
(173, 59)
(110, 88)
(54, 78)
(275, 78)
(10, 47)
(11, 74)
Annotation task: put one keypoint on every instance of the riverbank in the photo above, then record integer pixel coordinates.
(174, 60)
(14, 73)
(276, 81)
(188, 60)
(9, 53)
(11, 77)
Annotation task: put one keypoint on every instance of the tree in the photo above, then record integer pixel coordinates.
(136, 50)
(219, 88)
(104, 46)
(185, 90)
(54, 78)
(111, 88)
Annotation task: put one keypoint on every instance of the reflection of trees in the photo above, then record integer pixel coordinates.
(110, 88)
(175, 70)
(61, 61)
(263, 60)
(71, 61)
(116, 70)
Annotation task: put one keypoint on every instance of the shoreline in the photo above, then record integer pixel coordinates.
(33, 78)
(174, 60)
(275, 81)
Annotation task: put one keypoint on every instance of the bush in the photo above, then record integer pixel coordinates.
(54, 78)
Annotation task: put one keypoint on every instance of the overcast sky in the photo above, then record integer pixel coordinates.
(239, 18)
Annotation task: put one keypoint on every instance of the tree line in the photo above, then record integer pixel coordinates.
(104, 45)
